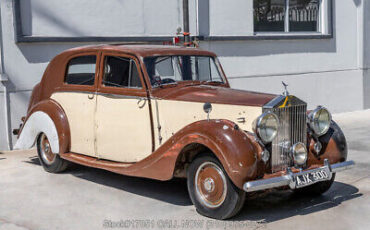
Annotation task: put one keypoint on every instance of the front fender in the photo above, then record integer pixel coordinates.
(334, 147)
(230, 145)
(45, 117)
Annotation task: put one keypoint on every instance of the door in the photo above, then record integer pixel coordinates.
(78, 100)
(123, 124)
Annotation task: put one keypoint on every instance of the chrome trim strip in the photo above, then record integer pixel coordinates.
(288, 179)
(110, 95)
(118, 96)
(257, 185)
(342, 166)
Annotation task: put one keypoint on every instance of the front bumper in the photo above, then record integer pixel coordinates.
(290, 177)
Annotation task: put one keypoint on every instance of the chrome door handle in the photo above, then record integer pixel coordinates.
(141, 103)
(90, 96)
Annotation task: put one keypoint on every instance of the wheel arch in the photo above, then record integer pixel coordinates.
(45, 117)
(226, 142)
(187, 155)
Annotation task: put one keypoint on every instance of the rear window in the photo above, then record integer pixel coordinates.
(81, 71)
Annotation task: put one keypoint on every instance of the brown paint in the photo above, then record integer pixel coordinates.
(262, 167)
(238, 151)
(57, 114)
(212, 94)
(53, 78)
(331, 152)
(231, 146)
(214, 196)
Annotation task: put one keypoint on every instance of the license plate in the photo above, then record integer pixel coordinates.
(309, 178)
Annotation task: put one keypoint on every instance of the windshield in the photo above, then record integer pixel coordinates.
(172, 69)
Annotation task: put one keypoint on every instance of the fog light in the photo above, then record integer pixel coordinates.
(317, 147)
(299, 152)
(265, 156)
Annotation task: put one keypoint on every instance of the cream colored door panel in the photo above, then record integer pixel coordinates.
(80, 111)
(175, 115)
(123, 129)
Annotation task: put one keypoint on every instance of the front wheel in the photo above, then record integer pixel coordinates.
(211, 190)
(50, 161)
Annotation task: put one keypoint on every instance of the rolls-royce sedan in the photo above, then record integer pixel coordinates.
(161, 112)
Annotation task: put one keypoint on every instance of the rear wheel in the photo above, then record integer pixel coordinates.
(211, 190)
(316, 189)
(50, 161)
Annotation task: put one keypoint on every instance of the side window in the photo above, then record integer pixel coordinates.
(81, 71)
(121, 72)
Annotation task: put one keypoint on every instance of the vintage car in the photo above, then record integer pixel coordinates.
(161, 112)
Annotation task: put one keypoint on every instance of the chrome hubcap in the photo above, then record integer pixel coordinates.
(209, 184)
(48, 157)
(46, 147)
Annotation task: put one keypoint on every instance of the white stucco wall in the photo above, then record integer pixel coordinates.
(367, 33)
(366, 44)
(320, 71)
(231, 18)
(101, 18)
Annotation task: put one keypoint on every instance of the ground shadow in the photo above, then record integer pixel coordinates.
(33, 160)
(173, 191)
(277, 205)
(264, 207)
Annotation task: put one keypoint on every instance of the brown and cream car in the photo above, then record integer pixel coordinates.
(164, 111)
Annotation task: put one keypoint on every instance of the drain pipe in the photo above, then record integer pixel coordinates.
(185, 12)
(4, 82)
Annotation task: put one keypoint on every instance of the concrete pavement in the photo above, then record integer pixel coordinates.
(86, 198)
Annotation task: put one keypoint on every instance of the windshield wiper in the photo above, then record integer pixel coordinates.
(204, 83)
(193, 84)
(212, 81)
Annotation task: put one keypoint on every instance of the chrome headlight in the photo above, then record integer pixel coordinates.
(299, 152)
(319, 120)
(266, 126)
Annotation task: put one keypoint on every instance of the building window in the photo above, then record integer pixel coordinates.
(81, 71)
(303, 15)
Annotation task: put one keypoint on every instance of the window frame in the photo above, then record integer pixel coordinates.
(74, 87)
(68, 66)
(134, 91)
(216, 63)
(131, 63)
(325, 24)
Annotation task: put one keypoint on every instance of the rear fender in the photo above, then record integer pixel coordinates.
(45, 117)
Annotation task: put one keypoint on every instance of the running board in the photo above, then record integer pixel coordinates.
(95, 162)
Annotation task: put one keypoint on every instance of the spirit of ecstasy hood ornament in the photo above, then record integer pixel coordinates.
(286, 93)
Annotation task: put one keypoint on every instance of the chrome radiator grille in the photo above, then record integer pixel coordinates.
(292, 129)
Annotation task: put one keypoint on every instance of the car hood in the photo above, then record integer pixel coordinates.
(213, 94)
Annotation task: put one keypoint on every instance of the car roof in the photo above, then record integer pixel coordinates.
(145, 50)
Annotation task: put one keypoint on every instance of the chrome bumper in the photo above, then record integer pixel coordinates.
(289, 178)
